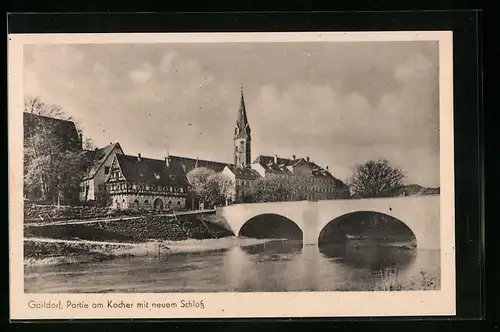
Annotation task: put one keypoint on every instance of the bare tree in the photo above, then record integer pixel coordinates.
(88, 144)
(52, 166)
(36, 106)
(376, 178)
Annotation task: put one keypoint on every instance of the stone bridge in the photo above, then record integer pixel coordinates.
(421, 214)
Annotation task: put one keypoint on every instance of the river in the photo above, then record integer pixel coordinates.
(271, 267)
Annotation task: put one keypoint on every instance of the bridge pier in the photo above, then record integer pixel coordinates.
(310, 223)
(310, 238)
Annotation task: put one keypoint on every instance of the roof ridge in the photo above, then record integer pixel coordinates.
(194, 159)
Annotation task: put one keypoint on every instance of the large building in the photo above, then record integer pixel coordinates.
(320, 184)
(135, 182)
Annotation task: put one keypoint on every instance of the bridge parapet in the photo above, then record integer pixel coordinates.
(420, 213)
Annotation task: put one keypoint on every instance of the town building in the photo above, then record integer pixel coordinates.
(92, 185)
(320, 184)
(135, 182)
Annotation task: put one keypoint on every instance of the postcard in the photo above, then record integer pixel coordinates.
(231, 175)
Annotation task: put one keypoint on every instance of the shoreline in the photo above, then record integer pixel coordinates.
(84, 251)
(42, 251)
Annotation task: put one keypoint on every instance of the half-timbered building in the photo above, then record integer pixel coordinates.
(142, 183)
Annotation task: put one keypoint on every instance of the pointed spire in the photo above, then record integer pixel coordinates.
(242, 114)
(242, 126)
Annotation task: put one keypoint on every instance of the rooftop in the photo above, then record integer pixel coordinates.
(98, 157)
(244, 173)
(279, 165)
(151, 171)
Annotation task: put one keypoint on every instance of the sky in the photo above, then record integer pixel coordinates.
(339, 103)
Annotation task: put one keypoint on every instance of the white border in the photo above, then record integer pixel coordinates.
(239, 305)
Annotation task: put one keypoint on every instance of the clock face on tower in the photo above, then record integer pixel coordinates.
(242, 143)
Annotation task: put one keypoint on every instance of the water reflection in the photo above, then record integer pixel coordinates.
(276, 266)
(372, 257)
(272, 249)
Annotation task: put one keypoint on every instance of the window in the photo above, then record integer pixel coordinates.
(106, 170)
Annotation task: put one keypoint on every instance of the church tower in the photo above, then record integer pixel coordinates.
(242, 139)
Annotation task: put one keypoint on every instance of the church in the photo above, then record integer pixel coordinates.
(320, 182)
(151, 184)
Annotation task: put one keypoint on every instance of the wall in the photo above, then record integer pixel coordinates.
(100, 176)
(127, 201)
(230, 175)
(87, 190)
(32, 213)
(140, 229)
(302, 169)
(259, 169)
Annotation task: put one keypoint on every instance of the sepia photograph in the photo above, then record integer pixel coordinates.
(241, 166)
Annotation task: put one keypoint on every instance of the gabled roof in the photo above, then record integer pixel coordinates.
(281, 167)
(151, 171)
(244, 173)
(190, 163)
(98, 157)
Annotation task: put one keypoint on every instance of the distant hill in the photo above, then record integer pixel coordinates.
(417, 190)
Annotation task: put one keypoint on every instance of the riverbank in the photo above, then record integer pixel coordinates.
(141, 229)
(388, 281)
(47, 251)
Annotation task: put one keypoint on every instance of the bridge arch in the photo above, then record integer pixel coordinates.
(421, 214)
(366, 226)
(271, 226)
